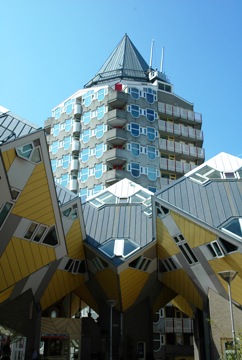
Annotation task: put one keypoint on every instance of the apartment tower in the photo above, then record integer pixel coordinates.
(125, 123)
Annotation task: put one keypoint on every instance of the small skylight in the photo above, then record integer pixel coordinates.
(205, 173)
(234, 226)
(105, 198)
(119, 247)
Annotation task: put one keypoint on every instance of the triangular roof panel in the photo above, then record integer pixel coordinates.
(125, 62)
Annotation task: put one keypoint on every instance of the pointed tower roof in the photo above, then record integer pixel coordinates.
(125, 62)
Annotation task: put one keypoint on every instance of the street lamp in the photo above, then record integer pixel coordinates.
(111, 304)
(229, 276)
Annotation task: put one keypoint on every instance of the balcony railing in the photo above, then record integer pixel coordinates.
(178, 112)
(180, 130)
(180, 148)
(174, 325)
(117, 118)
(176, 166)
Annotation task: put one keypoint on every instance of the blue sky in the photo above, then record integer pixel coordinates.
(51, 48)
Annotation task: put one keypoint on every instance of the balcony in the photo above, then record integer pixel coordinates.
(77, 110)
(116, 118)
(116, 137)
(187, 133)
(74, 164)
(176, 166)
(117, 99)
(175, 112)
(188, 151)
(76, 127)
(116, 157)
(112, 176)
(75, 146)
(73, 185)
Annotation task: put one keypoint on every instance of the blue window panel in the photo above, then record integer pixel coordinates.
(83, 194)
(101, 94)
(98, 170)
(56, 129)
(54, 165)
(97, 188)
(150, 114)
(152, 188)
(83, 174)
(135, 149)
(57, 113)
(55, 147)
(151, 152)
(99, 131)
(86, 117)
(151, 173)
(150, 98)
(68, 124)
(65, 161)
(135, 111)
(85, 155)
(151, 133)
(134, 93)
(135, 129)
(99, 150)
(87, 98)
(64, 180)
(68, 106)
(67, 142)
(135, 169)
(100, 112)
(86, 136)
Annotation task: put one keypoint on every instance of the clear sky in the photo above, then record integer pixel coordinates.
(49, 49)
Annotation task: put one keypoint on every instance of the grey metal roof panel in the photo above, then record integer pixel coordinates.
(215, 202)
(125, 62)
(117, 221)
(64, 195)
(13, 126)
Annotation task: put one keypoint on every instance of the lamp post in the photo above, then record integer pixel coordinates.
(229, 276)
(111, 304)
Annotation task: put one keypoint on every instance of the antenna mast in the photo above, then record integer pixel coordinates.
(162, 60)
(151, 53)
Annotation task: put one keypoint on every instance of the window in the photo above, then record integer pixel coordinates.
(167, 265)
(67, 142)
(99, 131)
(86, 117)
(135, 169)
(185, 249)
(56, 129)
(158, 341)
(68, 124)
(119, 247)
(99, 150)
(56, 113)
(151, 115)
(54, 165)
(84, 155)
(65, 161)
(135, 149)
(234, 226)
(141, 263)
(100, 94)
(40, 233)
(31, 229)
(29, 152)
(151, 133)
(75, 266)
(71, 212)
(97, 188)
(100, 112)
(134, 93)
(86, 136)
(83, 174)
(151, 152)
(83, 193)
(64, 180)
(68, 106)
(51, 237)
(135, 129)
(104, 198)
(4, 212)
(151, 173)
(135, 111)
(54, 147)
(205, 173)
(87, 98)
(98, 170)
(152, 189)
